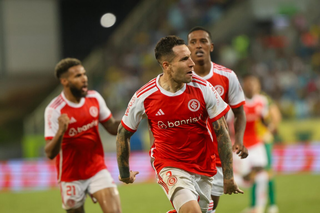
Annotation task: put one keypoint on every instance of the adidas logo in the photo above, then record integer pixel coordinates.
(72, 120)
(160, 112)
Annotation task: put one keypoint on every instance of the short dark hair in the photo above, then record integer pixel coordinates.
(165, 45)
(201, 28)
(63, 66)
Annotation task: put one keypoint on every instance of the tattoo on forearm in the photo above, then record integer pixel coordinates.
(224, 147)
(123, 151)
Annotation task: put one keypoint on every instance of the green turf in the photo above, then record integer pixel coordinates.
(296, 194)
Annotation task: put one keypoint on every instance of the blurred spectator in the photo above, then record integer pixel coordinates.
(284, 52)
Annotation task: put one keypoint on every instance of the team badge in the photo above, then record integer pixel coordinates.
(194, 105)
(219, 89)
(71, 202)
(172, 180)
(93, 111)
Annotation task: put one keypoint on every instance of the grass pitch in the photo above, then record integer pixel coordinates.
(295, 194)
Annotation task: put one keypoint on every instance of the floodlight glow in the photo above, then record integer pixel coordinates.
(108, 20)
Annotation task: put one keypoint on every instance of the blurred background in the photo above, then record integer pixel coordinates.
(278, 40)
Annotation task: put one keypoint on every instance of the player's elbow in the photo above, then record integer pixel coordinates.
(50, 154)
(112, 132)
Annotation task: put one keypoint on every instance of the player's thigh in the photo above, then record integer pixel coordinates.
(185, 200)
(73, 194)
(258, 156)
(174, 179)
(203, 187)
(108, 199)
(104, 190)
(217, 186)
(78, 210)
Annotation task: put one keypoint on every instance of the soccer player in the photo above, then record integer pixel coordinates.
(177, 104)
(72, 137)
(267, 128)
(252, 169)
(227, 85)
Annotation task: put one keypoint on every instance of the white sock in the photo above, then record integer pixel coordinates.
(261, 180)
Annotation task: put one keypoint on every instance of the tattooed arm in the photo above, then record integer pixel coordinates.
(123, 152)
(225, 153)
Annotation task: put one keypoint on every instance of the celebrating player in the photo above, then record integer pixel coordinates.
(72, 136)
(227, 85)
(177, 104)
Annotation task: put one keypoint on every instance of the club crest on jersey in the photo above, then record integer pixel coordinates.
(194, 105)
(219, 89)
(93, 111)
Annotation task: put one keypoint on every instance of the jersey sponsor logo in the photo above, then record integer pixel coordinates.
(72, 120)
(160, 112)
(219, 89)
(194, 105)
(93, 111)
(74, 131)
(133, 99)
(161, 125)
(170, 124)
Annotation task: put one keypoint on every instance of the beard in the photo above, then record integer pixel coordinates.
(78, 93)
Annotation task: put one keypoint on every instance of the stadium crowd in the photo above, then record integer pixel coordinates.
(283, 52)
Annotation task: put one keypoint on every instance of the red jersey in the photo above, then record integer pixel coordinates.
(81, 155)
(255, 109)
(226, 83)
(178, 122)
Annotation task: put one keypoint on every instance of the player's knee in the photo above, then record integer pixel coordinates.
(190, 207)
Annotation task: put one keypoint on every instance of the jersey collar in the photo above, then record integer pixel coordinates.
(167, 93)
(210, 74)
(74, 105)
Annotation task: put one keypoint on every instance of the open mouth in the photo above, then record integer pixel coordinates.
(199, 53)
(84, 88)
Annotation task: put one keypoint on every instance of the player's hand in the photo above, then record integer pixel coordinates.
(63, 122)
(240, 150)
(229, 187)
(130, 179)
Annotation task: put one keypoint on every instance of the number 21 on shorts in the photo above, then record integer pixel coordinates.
(71, 190)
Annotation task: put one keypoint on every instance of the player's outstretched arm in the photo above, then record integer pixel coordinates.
(239, 128)
(225, 153)
(123, 152)
(111, 126)
(52, 147)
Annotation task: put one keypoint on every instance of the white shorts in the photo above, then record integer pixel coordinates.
(74, 193)
(217, 186)
(257, 158)
(173, 179)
